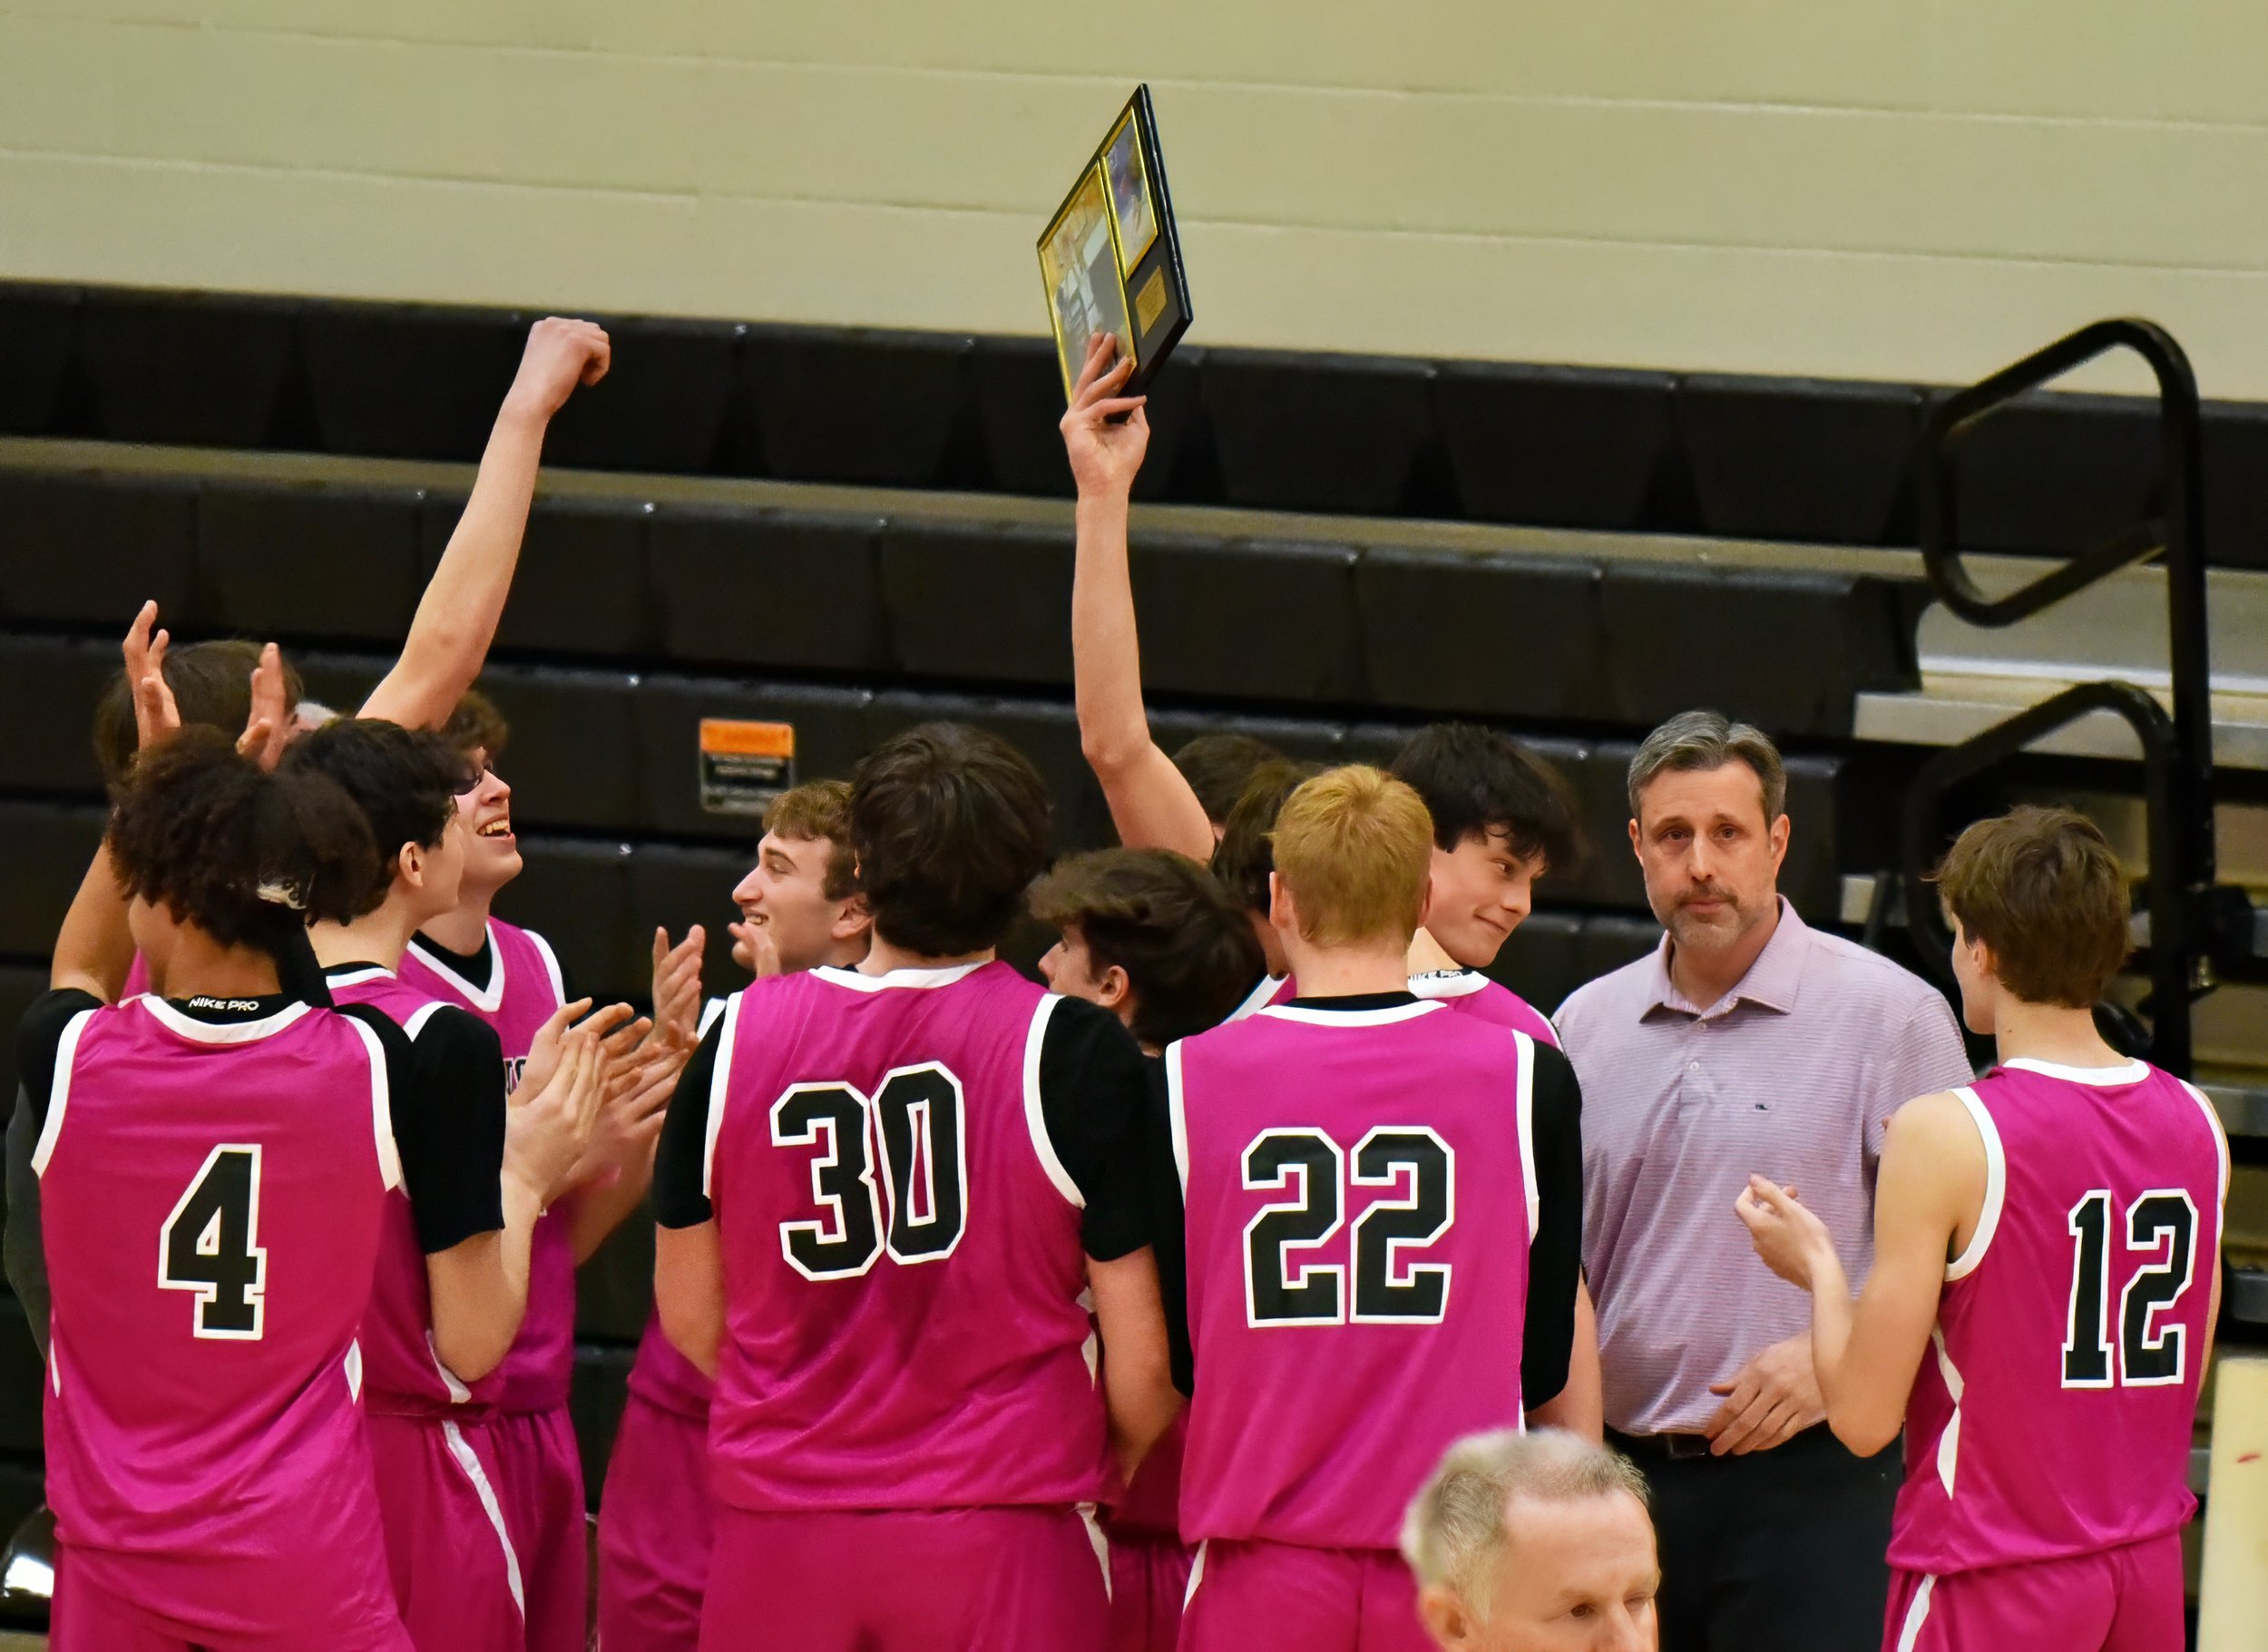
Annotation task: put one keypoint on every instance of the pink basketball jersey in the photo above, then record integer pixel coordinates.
(2052, 1413)
(211, 1198)
(902, 1250)
(403, 1376)
(137, 978)
(1470, 992)
(1360, 1196)
(522, 991)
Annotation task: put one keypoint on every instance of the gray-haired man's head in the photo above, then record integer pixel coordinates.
(1535, 1542)
(1708, 821)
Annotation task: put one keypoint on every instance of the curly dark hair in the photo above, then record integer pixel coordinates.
(212, 688)
(477, 725)
(1245, 858)
(1187, 947)
(250, 858)
(950, 825)
(406, 781)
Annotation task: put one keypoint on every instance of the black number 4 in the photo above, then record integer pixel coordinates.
(1281, 1288)
(2149, 1355)
(210, 1244)
(916, 1117)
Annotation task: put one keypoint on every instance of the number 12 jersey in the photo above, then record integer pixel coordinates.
(2052, 1412)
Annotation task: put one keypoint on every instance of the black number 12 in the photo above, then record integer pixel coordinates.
(2149, 1355)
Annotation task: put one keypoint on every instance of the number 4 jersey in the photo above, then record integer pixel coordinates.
(2052, 1412)
(908, 1173)
(1361, 1196)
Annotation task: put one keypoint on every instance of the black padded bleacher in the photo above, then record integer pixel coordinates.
(1614, 449)
(1521, 635)
(53, 751)
(581, 587)
(84, 547)
(770, 589)
(330, 560)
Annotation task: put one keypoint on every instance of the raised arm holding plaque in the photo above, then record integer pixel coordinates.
(1110, 259)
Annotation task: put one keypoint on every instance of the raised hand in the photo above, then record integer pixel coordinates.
(268, 727)
(155, 714)
(560, 354)
(549, 1126)
(1105, 454)
(543, 1053)
(754, 950)
(677, 988)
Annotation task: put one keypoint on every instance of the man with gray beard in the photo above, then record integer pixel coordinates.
(1747, 1040)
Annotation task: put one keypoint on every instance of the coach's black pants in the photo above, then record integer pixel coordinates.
(1776, 1551)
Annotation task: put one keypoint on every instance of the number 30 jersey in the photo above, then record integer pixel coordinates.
(908, 1172)
(210, 1196)
(2053, 1411)
(1360, 1197)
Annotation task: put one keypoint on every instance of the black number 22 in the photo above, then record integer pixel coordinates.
(916, 1121)
(1282, 1289)
(210, 1244)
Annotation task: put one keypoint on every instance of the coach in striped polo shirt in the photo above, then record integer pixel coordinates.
(1748, 1041)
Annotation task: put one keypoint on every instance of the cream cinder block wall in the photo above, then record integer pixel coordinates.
(1888, 188)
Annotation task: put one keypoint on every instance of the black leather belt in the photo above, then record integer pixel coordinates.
(1674, 1448)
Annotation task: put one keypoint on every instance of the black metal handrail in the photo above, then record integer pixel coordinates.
(2178, 751)
(2175, 944)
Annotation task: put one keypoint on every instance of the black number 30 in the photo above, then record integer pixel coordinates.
(916, 1122)
(210, 1244)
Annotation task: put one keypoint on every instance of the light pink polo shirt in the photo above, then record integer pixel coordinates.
(1794, 1074)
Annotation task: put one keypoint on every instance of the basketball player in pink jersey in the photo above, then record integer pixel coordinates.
(510, 978)
(213, 1176)
(2046, 1282)
(1152, 937)
(887, 1196)
(800, 909)
(1361, 1275)
(441, 1320)
(1500, 818)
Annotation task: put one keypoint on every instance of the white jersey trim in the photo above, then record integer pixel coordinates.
(354, 978)
(922, 978)
(550, 965)
(711, 1011)
(422, 1013)
(1948, 1443)
(1178, 1115)
(1351, 1018)
(220, 1032)
(1196, 1574)
(2219, 1135)
(1996, 1186)
(2098, 1078)
(458, 1393)
(1034, 1115)
(1909, 1633)
(1526, 1102)
(719, 1081)
(381, 1106)
(1259, 998)
(487, 1000)
(1448, 983)
(58, 1098)
(1100, 1544)
(471, 1463)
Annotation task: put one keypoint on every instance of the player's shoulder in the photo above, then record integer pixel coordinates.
(1622, 993)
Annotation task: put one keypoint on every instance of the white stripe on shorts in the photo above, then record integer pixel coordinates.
(471, 1464)
(1909, 1633)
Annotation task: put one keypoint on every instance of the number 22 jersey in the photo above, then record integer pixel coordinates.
(2052, 1412)
(908, 1172)
(1361, 1195)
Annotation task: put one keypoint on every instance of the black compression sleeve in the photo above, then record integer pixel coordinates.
(1168, 1230)
(447, 1099)
(1554, 1257)
(681, 1160)
(36, 1038)
(1093, 1098)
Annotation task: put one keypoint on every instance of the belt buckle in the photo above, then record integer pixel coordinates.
(1684, 1447)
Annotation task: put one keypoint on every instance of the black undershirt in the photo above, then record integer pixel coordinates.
(439, 1138)
(1093, 1102)
(1554, 1255)
(453, 1175)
